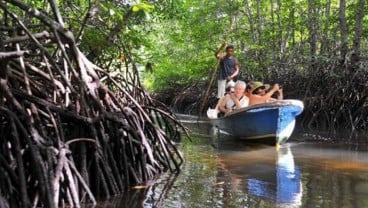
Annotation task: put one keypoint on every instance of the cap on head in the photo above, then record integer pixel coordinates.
(256, 85)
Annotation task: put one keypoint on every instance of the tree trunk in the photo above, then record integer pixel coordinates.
(312, 27)
(280, 27)
(249, 14)
(274, 52)
(259, 31)
(325, 33)
(292, 25)
(358, 27)
(343, 29)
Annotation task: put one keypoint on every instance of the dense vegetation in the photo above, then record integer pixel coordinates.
(69, 131)
(316, 49)
(71, 75)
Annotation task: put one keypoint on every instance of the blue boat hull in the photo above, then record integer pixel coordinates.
(274, 120)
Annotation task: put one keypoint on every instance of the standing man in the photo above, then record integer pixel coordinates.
(229, 68)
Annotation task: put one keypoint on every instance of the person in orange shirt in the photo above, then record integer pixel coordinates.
(259, 93)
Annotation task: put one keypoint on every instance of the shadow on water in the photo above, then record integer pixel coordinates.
(311, 170)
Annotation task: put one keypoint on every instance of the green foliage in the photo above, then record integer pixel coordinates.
(185, 45)
(267, 36)
(142, 7)
(178, 38)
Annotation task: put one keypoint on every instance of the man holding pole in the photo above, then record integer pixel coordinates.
(229, 68)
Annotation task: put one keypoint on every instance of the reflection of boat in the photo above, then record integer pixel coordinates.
(265, 173)
(286, 189)
(273, 120)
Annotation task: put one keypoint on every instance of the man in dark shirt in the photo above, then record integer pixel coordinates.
(229, 69)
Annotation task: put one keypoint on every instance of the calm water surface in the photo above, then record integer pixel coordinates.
(309, 171)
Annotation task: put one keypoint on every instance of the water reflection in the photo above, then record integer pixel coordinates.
(286, 187)
(153, 194)
(225, 172)
(264, 172)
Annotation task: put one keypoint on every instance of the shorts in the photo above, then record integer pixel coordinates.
(221, 86)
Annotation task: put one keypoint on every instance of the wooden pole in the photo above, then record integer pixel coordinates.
(214, 72)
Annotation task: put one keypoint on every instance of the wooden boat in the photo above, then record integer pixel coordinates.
(273, 121)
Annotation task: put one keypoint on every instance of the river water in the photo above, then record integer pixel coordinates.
(310, 170)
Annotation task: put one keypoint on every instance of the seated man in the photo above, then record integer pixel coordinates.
(214, 113)
(259, 93)
(234, 100)
(229, 89)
